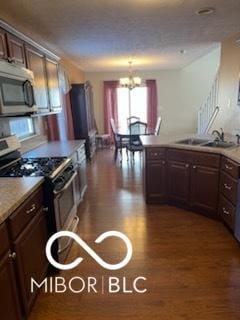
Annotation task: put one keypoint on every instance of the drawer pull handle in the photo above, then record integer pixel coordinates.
(13, 255)
(227, 167)
(227, 187)
(33, 208)
(226, 212)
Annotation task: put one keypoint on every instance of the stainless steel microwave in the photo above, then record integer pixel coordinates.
(16, 90)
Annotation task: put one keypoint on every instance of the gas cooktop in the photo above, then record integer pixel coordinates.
(32, 167)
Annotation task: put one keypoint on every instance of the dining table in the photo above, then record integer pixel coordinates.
(126, 134)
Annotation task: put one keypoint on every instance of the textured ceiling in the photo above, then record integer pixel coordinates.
(105, 35)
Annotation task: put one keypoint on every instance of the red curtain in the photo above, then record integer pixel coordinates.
(110, 104)
(152, 103)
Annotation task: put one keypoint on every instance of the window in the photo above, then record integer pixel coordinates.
(137, 107)
(22, 127)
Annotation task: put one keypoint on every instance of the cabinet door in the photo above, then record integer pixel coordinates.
(3, 45)
(16, 50)
(30, 257)
(9, 304)
(53, 85)
(36, 63)
(204, 189)
(178, 182)
(155, 181)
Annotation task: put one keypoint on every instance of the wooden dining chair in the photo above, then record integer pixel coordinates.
(158, 126)
(118, 143)
(136, 129)
(132, 119)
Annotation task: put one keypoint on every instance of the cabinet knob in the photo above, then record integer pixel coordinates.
(13, 255)
(225, 211)
(187, 165)
(45, 209)
(227, 167)
(227, 186)
(194, 167)
(163, 162)
(33, 208)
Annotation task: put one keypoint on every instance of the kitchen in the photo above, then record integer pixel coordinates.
(175, 207)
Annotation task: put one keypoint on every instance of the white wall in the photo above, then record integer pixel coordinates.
(229, 115)
(180, 92)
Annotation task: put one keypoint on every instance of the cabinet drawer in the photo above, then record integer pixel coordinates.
(194, 157)
(20, 218)
(155, 153)
(227, 212)
(81, 154)
(230, 167)
(229, 187)
(3, 239)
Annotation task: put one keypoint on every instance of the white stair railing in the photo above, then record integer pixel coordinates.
(209, 110)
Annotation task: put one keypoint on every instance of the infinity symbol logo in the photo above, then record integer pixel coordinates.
(92, 253)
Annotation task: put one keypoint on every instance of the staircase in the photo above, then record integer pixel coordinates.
(209, 110)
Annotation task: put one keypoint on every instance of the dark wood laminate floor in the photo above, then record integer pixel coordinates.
(192, 264)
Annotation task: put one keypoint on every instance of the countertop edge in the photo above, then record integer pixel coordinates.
(4, 216)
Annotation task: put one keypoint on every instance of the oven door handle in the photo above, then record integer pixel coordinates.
(61, 250)
(67, 184)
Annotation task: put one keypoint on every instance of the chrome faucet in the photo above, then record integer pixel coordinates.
(220, 135)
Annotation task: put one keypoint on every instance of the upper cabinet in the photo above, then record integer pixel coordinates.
(3, 45)
(45, 70)
(53, 85)
(36, 62)
(16, 50)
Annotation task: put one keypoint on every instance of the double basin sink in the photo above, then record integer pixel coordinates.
(206, 143)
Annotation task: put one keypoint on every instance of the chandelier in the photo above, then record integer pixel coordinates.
(130, 82)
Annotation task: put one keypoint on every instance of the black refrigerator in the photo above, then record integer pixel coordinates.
(81, 96)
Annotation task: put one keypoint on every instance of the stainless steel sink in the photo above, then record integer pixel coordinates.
(192, 142)
(219, 144)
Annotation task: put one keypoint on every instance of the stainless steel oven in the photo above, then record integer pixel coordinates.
(16, 90)
(65, 208)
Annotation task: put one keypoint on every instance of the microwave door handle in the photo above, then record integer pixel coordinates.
(31, 95)
(28, 93)
(25, 92)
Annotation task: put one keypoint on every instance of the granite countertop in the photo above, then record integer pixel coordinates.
(14, 191)
(232, 153)
(55, 149)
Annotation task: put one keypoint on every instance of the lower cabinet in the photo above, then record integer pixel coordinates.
(204, 189)
(156, 181)
(79, 160)
(178, 182)
(31, 258)
(9, 303)
(9, 298)
(185, 178)
(23, 238)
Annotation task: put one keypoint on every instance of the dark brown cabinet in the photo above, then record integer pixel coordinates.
(30, 257)
(83, 118)
(204, 189)
(178, 182)
(36, 62)
(9, 301)
(155, 172)
(186, 178)
(53, 85)
(16, 50)
(3, 45)
(23, 241)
